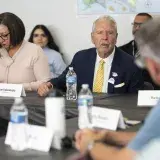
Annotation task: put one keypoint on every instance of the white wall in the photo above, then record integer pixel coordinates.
(71, 33)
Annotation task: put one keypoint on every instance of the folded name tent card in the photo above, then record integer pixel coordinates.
(11, 90)
(39, 138)
(148, 97)
(107, 118)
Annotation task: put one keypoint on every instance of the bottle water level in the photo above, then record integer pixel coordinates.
(19, 121)
(71, 84)
(85, 104)
(71, 92)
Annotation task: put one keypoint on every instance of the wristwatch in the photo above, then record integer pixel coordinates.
(91, 144)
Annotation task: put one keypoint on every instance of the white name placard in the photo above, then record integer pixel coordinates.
(107, 118)
(148, 98)
(39, 138)
(11, 90)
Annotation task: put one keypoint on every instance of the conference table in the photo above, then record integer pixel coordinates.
(127, 103)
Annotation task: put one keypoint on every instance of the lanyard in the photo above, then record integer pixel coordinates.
(133, 48)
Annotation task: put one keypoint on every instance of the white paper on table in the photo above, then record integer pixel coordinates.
(11, 90)
(39, 138)
(107, 118)
(148, 98)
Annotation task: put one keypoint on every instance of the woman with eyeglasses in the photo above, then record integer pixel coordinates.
(41, 36)
(21, 62)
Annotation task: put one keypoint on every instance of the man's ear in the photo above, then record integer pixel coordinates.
(92, 39)
(117, 35)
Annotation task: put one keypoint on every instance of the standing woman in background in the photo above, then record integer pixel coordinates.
(41, 36)
(21, 62)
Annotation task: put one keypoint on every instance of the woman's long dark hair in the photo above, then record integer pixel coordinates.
(51, 44)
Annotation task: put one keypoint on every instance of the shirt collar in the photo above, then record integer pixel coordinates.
(45, 48)
(107, 60)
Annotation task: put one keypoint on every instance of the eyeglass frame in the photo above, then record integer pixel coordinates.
(145, 52)
(6, 35)
(140, 61)
(136, 24)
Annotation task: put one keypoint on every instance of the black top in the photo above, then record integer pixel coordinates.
(131, 48)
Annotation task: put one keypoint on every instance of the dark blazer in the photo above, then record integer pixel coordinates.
(84, 64)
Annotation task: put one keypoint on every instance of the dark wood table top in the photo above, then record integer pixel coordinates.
(7, 154)
(126, 103)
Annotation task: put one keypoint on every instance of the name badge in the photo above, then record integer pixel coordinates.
(114, 74)
(148, 98)
(111, 80)
(107, 118)
(11, 90)
(39, 138)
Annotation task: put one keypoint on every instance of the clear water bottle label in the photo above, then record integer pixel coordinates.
(18, 118)
(85, 101)
(71, 79)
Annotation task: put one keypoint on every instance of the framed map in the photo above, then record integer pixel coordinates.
(86, 7)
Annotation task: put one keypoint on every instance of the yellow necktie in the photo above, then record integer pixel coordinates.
(98, 83)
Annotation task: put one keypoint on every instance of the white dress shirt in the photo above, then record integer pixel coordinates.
(107, 69)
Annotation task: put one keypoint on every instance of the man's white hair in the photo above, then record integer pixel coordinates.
(106, 18)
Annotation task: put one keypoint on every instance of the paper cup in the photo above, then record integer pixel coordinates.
(55, 116)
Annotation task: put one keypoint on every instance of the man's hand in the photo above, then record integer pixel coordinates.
(85, 136)
(44, 88)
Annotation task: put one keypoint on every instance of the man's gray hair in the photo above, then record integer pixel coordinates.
(148, 39)
(107, 18)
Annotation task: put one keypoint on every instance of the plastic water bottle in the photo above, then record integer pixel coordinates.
(71, 84)
(85, 103)
(19, 120)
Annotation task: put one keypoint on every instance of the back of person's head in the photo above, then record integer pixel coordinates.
(148, 42)
(15, 26)
(148, 39)
(51, 43)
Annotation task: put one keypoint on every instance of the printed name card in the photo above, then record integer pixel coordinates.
(107, 118)
(11, 90)
(148, 98)
(38, 137)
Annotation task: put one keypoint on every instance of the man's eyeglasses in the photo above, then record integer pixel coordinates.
(135, 24)
(140, 62)
(39, 35)
(4, 37)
